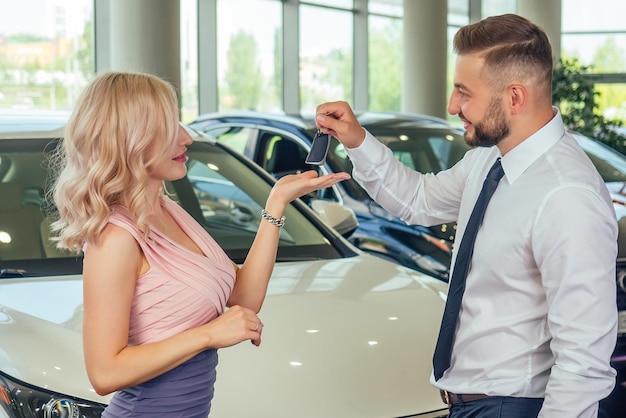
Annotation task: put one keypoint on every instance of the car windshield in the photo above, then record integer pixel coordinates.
(221, 191)
(228, 198)
(430, 151)
(424, 150)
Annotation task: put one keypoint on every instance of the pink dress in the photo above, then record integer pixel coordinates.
(181, 290)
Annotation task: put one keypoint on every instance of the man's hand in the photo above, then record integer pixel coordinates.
(338, 120)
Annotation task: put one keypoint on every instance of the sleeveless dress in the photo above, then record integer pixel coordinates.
(181, 290)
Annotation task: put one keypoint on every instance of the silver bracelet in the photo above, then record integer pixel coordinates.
(274, 221)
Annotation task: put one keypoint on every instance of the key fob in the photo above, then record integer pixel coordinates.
(319, 149)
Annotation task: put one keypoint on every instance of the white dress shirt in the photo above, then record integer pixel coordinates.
(539, 315)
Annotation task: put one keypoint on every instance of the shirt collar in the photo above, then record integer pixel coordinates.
(517, 160)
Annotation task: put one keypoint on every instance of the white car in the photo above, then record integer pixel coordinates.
(346, 334)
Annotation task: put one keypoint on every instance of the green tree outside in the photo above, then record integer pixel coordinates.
(385, 69)
(609, 58)
(574, 93)
(243, 78)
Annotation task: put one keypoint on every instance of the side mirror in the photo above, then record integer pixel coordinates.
(338, 216)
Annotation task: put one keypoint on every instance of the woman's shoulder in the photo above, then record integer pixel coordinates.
(115, 233)
(123, 219)
(120, 216)
(114, 239)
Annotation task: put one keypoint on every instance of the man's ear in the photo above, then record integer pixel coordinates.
(518, 95)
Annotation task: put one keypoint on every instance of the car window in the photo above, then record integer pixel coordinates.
(236, 137)
(222, 192)
(427, 151)
(338, 160)
(419, 149)
(610, 163)
(226, 197)
(448, 148)
(405, 158)
(281, 155)
(23, 175)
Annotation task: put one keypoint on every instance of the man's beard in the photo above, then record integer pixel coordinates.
(492, 129)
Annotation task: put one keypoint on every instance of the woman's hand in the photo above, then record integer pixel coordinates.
(293, 186)
(253, 276)
(235, 325)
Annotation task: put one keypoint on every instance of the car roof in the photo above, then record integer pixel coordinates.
(251, 115)
(32, 123)
(397, 120)
(306, 120)
(51, 124)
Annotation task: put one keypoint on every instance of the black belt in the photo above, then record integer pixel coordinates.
(450, 398)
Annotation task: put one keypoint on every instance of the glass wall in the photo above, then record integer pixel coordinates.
(385, 46)
(594, 33)
(249, 35)
(189, 59)
(46, 57)
(497, 7)
(326, 45)
(458, 15)
(461, 13)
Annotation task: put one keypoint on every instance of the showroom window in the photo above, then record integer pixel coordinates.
(325, 54)
(342, 4)
(461, 13)
(189, 60)
(497, 7)
(249, 44)
(385, 50)
(595, 34)
(458, 15)
(46, 58)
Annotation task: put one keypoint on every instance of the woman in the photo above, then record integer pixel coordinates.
(156, 285)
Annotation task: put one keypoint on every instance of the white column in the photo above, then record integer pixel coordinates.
(207, 57)
(546, 14)
(291, 56)
(144, 36)
(360, 73)
(425, 56)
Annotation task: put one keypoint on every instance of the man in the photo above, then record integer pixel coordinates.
(537, 319)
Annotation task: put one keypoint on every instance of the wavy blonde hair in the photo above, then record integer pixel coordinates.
(121, 125)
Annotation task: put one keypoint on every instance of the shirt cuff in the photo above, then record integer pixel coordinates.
(369, 152)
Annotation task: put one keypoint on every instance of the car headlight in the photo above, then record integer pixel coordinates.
(20, 400)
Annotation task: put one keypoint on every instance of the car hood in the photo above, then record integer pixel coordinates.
(350, 337)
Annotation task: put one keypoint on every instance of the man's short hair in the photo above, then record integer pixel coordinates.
(515, 50)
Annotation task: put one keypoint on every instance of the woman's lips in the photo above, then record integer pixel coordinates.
(181, 158)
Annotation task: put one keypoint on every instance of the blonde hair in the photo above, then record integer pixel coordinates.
(121, 125)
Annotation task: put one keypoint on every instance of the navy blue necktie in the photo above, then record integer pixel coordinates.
(443, 349)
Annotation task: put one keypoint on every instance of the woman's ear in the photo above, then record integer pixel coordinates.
(518, 95)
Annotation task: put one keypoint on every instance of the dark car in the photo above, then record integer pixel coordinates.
(280, 143)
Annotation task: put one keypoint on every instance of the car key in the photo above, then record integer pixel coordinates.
(319, 149)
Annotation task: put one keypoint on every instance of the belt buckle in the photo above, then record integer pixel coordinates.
(445, 397)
